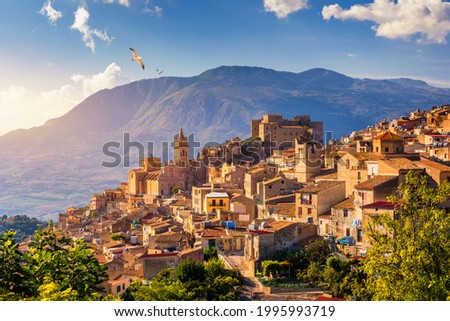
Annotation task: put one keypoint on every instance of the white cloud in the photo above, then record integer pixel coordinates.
(52, 14)
(92, 83)
(125, 3)
(23, 108)
(81, 24)
(402, 19)
(157, 11)
(283, 8)
(352, 55)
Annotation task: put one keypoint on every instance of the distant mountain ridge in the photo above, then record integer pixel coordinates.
(216, 105)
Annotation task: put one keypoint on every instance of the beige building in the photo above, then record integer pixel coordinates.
(316, 199)
(279, 185)
(255, 175)
(370, 210)
(281, 132)
(388, 142)
(307, 161)
(353, 169)
(154, 179)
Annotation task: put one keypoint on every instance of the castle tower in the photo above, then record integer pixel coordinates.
(181, 149)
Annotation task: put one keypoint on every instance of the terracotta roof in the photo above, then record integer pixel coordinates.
(400, 163)
(172, 237)
(136, 273)
(156, 255)
(284, 208)
(426, 163)
(213, 232)
(388, 136)
(346, 204)
(278, 225)
(185, 203)
(380, 204)
(376, 181)
(288, 198)
(114, 244)
(328, 176)
(242, 199)
(318, 187)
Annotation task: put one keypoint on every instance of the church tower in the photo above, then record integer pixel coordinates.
(181, 149)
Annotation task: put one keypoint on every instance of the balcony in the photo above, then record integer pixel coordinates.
(306, 202)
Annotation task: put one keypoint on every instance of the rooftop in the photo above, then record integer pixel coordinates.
(381, 204)
(319, 186)
(217, 195)
(388, 136)
(400, 163)
(434, 165)
(345, 204)
(376, 181)
(284, 209)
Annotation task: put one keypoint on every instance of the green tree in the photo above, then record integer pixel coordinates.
(410, 254)
(345, 279)
(210, 252)
(317, 251)
(14, 277)
(189, 281)
(312, 276)
(54, 267)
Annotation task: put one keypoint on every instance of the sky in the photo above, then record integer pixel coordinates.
(55, 53)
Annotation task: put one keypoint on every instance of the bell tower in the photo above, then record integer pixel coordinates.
(181, 149)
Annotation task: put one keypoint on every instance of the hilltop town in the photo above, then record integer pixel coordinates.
(283, 186)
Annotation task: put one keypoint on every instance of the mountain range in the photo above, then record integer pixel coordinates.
(45, 169)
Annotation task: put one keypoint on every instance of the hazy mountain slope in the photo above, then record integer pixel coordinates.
(59, 163)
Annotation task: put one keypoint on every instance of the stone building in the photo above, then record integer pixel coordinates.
(280, 132)
(388, 142)
(317, 198)
(153, 178)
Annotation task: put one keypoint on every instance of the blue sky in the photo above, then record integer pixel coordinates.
(56, 53)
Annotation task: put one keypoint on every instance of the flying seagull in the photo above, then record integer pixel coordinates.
(137, 58)
(159, 72)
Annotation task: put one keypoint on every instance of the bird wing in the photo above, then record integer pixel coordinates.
(134, 52)
(141, 62)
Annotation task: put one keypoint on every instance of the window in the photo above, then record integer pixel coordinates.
(345, 212)
(213, 202)
(309, 211)
(347, 164)
(306, 199)
(220, 202)
(376, 149)
(386, 149)
(347, 231)
(118, 289)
